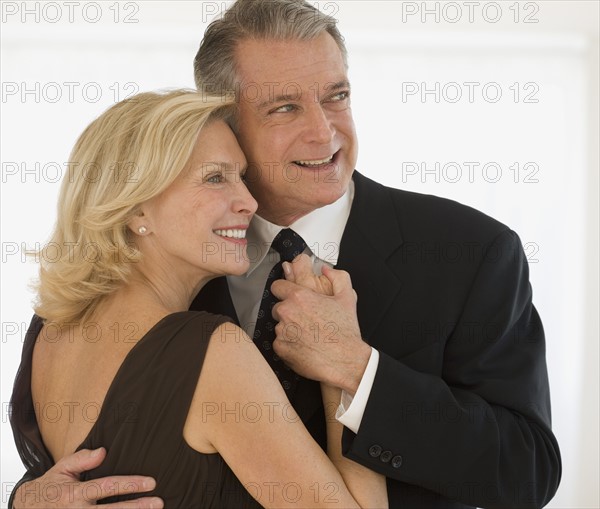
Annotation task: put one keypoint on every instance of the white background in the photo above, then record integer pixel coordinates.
(58, 74)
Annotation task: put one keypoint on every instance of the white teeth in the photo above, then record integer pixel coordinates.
(314, 162)
(234, 234)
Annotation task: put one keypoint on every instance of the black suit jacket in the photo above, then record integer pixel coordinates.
(459, 413)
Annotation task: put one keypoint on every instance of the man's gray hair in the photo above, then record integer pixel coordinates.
(215, 66)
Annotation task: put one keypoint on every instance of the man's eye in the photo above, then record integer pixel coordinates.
(286, 108)
(340, 96)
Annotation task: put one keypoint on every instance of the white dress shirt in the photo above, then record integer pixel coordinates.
(322, 231)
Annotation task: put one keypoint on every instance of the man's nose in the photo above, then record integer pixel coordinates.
(319, 128)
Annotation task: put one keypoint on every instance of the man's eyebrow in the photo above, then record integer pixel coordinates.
(278, 99)
(332, 87)
(282, 98)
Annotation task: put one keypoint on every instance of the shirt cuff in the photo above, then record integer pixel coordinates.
(351, 410)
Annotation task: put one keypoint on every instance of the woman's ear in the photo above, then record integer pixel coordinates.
(139, 224)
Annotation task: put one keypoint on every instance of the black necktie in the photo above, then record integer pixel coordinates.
(289, 245)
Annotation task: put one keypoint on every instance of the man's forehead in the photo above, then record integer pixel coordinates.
(278, 71)
(281, 59)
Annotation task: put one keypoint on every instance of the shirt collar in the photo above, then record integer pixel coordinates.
(321, 229)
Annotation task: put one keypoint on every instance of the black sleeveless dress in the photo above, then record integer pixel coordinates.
(142, 418)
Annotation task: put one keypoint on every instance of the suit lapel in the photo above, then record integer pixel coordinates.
(371, 236)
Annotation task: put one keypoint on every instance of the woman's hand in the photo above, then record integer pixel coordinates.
(300, 272)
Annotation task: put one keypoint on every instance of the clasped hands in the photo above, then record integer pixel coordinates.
(318, 334)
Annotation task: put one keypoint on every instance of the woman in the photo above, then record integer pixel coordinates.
(155, 207)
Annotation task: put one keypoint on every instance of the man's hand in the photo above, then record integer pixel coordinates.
(318, 334)
(60, 486)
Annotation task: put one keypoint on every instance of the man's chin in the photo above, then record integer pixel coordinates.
(322, 199)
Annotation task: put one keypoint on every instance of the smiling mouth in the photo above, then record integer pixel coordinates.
(314, 162)
(231, 234)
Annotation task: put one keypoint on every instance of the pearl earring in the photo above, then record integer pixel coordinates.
(142, 230)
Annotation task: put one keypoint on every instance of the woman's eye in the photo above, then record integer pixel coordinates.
(216, 179)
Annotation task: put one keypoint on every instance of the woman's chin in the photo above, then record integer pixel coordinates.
(239, 269)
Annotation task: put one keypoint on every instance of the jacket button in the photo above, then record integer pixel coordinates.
(396, 461)
(386, 456)
(375, 451)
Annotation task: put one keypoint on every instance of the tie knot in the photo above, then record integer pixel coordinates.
(288, 244)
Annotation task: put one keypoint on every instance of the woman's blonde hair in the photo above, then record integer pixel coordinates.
(128, 155)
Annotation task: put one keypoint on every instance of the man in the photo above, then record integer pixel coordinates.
(442, 361)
